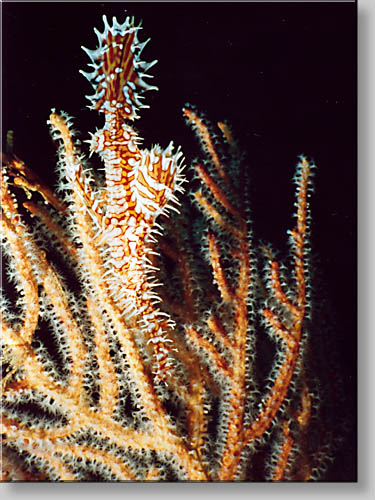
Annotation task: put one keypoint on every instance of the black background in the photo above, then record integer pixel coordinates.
(282, 74)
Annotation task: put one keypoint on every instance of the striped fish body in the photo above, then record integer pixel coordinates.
(140, 183)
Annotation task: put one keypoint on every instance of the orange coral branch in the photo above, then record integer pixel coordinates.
(218, 272)
(286, 448)
(218, 193)
(210, 349)
(206, 138)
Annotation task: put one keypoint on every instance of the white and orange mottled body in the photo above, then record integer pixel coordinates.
(139, 183)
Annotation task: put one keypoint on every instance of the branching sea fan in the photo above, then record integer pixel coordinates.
(146, 334)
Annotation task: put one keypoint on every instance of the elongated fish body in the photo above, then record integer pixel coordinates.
(140, 184)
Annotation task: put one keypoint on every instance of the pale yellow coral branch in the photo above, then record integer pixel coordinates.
(109, 390)
(25, 275)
